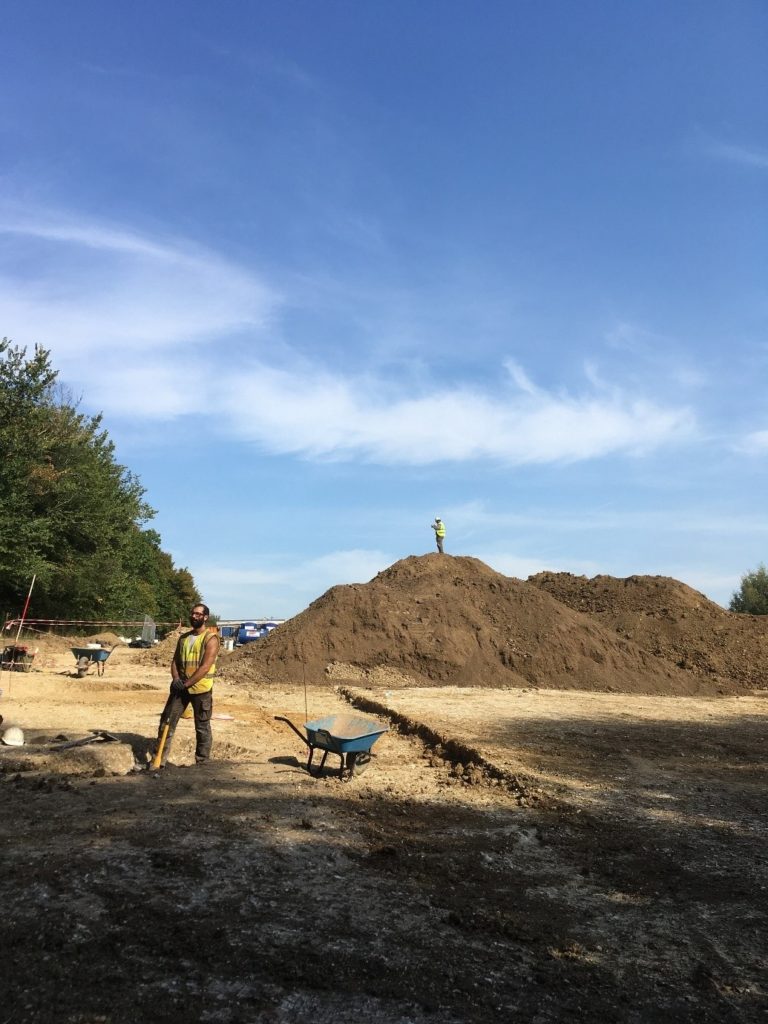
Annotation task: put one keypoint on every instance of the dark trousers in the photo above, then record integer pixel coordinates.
(202, 708)
(439, 544)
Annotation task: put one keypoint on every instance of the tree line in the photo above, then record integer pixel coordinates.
(70, 514)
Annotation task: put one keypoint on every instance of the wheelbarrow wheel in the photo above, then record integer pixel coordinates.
(358, 761)
(83, 664)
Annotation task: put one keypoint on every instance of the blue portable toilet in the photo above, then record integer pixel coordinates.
(247, 632)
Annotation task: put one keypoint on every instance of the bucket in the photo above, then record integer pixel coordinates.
(229, 645)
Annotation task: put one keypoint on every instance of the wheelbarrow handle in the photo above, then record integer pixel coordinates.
(302, 737)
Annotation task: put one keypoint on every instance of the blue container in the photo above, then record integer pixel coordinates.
(248, 632)
(344, 734)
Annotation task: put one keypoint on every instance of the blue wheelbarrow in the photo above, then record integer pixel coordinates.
(348, 736)
(87, 656)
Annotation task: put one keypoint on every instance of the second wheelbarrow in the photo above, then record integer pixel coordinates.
(87, 656)
(349, 736)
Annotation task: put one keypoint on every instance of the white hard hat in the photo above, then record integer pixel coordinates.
(13, 736)
(438, 519)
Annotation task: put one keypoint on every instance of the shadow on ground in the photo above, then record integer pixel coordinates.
(240, 892)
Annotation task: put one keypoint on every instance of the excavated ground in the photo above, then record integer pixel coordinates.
(442, 620)
(512, 853)
(671, 621)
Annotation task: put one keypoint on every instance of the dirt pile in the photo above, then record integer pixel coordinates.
(106, 639)
(672, 621)
(162, 653)
(46, 643)
(443, 620)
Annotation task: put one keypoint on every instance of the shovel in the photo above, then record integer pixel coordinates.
(99, 736)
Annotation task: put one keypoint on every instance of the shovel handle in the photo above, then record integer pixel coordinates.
(157, 759)
(302, 737)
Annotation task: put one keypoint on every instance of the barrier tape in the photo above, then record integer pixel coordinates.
(85, 622)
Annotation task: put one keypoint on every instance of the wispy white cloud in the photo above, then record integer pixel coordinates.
(521, 378)
(280, 587)
(473, 518)
(88, 289)
(147, 387)
(318, 414)
(264, 64)
(662, 357)
(755, 443)
(120, 309)
(747, 156)
(90, 235)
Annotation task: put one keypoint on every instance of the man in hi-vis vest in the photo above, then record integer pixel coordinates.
(192, 671)
(439, 527)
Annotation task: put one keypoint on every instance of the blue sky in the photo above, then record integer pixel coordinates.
(332, 268)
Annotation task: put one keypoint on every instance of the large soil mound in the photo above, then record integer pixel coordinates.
(672, 621)
(438, 619)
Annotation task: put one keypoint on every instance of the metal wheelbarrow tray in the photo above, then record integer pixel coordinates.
(85, 656)
(349, 736)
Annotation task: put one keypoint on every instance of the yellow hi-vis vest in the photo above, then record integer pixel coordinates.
(439, 531)
(190, 651)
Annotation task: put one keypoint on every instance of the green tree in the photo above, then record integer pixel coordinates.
(25, 387)
(165, 592)
(752, 596)
(69, 513)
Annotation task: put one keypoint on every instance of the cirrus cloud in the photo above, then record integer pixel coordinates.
(316, 414)
(126, 316)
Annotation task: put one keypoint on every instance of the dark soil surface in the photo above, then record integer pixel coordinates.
(673, 622)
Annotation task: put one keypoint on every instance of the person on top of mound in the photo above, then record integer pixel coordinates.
(439, 527)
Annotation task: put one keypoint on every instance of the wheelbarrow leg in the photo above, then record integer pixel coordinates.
(319, 770)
